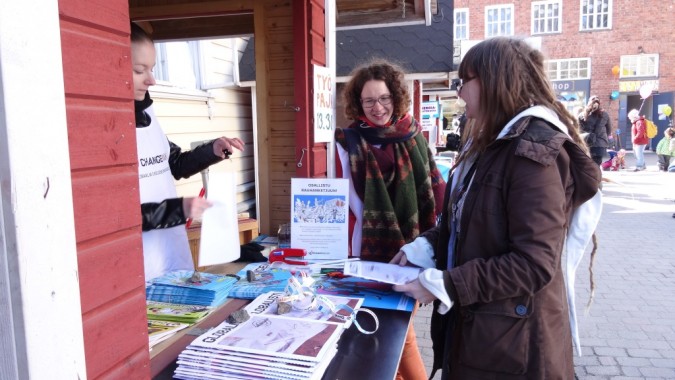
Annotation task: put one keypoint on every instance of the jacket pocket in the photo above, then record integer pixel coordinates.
(496, 336)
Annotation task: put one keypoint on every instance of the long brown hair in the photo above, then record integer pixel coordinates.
(377, 69)
(512, 78)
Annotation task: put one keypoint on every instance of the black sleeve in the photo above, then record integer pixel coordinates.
(165, 214)
(190, 162)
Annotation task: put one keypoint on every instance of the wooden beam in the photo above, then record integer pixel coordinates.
(199, 28)
(189, 9)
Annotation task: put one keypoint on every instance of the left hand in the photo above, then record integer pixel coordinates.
(415, 290)
(225, 143)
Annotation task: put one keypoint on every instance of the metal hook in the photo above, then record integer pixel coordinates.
(301, 157)
(294, 108)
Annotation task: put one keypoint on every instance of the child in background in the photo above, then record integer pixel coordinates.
(617, 160)
(665, 149)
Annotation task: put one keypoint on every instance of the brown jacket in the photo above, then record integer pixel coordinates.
(510, 315)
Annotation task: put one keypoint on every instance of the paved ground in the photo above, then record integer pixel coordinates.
(629, 330)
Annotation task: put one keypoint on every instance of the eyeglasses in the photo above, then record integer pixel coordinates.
(370, 102)
(462, 82)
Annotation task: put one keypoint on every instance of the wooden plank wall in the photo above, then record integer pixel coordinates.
(101, 134)
(276, 115)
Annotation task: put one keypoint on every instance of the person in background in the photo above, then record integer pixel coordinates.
(492, 266)
(165, 242)
(665, 149)
(594, 121)
(395, 186)
(638, 132)
(616, 161)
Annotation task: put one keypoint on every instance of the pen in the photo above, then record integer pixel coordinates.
(202, 192)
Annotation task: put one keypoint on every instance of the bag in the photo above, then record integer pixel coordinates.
(589, 138)
(651, 129)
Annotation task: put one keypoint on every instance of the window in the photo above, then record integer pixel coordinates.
(461, 24)
(546, 17)
(499, 20)
(569, 69)
(596, 14)
(641, 65)
(178, 64)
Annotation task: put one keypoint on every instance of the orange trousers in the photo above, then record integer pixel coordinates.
(411, 366)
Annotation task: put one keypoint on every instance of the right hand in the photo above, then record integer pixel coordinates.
(194, 207)
(400, 259)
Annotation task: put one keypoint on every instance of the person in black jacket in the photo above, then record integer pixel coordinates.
(165, 242)
(595, 124)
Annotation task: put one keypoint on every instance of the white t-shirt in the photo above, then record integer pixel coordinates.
(165, 249)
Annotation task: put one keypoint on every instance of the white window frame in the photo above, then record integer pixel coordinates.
(551, 23)
(500, 8)
(464, 26)
(639, 66)
(568, 66)
(594, 14)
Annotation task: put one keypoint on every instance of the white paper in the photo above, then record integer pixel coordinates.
(320, 217)
(219, 242)
(382, 272)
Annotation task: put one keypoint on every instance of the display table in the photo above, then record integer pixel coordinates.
(359, 356)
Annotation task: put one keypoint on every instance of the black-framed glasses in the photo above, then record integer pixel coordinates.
(462, 82)
(370, 102)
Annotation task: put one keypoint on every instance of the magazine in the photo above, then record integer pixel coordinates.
(158, 331)
(382, 272)
(293, 338)
(176, 312)
(266, 304)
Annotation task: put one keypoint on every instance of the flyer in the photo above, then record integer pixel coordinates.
(320, 217)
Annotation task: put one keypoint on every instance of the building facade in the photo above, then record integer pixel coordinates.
(608, 48)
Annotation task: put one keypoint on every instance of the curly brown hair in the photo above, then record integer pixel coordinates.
(376, 69)
(513, 77)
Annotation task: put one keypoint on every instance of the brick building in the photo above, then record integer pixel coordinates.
(609, 48)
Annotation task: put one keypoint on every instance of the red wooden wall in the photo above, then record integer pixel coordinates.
(101, 135)
(309, 48)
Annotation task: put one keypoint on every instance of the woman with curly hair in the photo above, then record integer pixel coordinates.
(395, 186)
(516, 201)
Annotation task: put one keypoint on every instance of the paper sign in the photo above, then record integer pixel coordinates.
(219, 242)
(320, 217)
(324, 104)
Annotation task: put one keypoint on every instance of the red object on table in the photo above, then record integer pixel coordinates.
(289, 256)
(202, 192)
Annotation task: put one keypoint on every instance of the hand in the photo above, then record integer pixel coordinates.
(223, 144)
(415, 290)
(400, 259)
(194, 207)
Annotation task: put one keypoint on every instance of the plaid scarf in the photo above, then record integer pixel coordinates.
(396, 183)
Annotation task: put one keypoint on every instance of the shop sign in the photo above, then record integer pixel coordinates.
(634, 85)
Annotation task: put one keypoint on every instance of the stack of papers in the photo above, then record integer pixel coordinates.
(181, 287)
(297, 345)
(159, 331)
(164, 311)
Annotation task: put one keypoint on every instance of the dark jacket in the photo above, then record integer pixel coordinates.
(597, 123)
(169, 213)
(510, 315)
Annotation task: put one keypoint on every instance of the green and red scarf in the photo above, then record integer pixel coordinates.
(399, 183)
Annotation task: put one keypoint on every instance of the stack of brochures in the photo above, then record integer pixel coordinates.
(296, 345)
(159, 331)
(274, 278)
(183, 287)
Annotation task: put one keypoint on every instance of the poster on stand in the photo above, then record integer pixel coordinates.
(320, 217)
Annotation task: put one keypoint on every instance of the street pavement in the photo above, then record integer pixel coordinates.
(628, 332)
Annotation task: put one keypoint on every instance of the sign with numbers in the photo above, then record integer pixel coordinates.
(324, 104)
